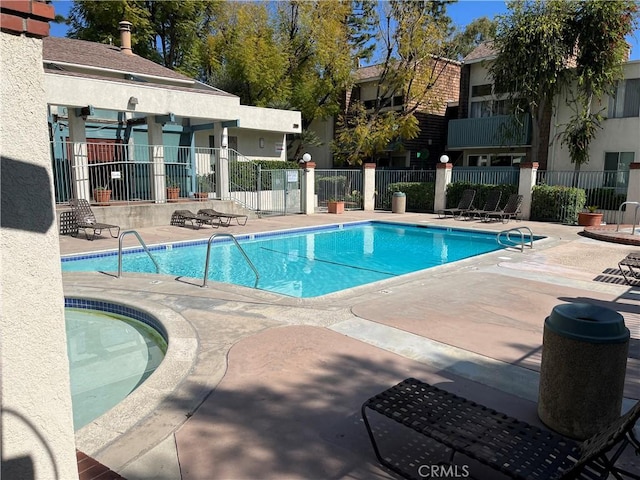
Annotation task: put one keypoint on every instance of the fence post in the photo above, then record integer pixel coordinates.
(633, 192)
(79, 160)
(222, 172)
(309, 189)
(156, 155)
(443, 178)
(528, 174)
(369, 187)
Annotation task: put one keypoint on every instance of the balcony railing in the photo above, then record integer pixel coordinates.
(497, 131)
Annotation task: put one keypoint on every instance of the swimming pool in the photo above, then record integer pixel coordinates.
(308, 262)
(112, 350)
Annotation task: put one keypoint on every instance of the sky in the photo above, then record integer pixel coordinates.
(461, 12)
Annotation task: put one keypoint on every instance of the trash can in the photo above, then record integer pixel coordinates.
(584, 358)
(399, 202)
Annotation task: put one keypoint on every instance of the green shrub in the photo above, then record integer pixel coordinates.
(557, 203)
(333, 187)
(420, 196)
(243, 176)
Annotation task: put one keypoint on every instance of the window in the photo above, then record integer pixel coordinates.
(481, 90)
(616, 166)
(480, 109)
(625, 102)
(501, 160)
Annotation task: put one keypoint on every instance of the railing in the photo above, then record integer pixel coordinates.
(510, 242)
(385, 178)
(131, 171)
(635, 216)
(144, 246)
(487, 175)
(344, 185)
(499, 130)
(206, 266)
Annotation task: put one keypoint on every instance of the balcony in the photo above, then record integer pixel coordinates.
(497, 131)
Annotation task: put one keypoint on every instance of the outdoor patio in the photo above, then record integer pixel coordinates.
(274, 384)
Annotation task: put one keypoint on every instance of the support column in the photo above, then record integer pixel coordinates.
(443, 179)
(633, 193)
(222, 180)
(528, 174)
(80, 184)
(369, 187)
(156, 155)
(309, 188)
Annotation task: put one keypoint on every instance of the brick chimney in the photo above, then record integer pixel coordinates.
(125, 37)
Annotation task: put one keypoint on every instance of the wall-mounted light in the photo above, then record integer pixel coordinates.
(261, 142)
(444, 159)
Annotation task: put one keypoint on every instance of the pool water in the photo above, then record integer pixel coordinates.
(110, 355)
(307, 263)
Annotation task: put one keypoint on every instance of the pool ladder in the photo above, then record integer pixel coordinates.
(512, 243)
(206, 265)
(144, 246)
(635, 216)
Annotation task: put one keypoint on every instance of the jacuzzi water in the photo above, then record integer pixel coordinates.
(110, 355)
(309, 262)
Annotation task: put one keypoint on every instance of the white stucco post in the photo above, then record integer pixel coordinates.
(528, 174)
(443, 178)
(309, 189)
(156, 155)
(36, 421)
(633, 193)
(222, 182)
(369, 187)
(79, 156)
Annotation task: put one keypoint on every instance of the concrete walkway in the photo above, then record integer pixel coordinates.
(258, 385)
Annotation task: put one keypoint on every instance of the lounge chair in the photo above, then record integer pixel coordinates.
(510, 210)
(180, 217)
(465, 204)
(86, 220)
(490, 205)
(454, 425)
(632, 262)
(225, 218)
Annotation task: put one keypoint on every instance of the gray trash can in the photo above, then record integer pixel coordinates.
(399, 202)
(584, 358)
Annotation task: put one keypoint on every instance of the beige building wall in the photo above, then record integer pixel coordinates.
(37, 426)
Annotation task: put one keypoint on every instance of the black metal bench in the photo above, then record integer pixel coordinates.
(506, 444)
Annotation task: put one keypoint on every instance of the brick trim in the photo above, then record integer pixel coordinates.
(28, 17)
(440, 166)
(634, 166)
(528, 165)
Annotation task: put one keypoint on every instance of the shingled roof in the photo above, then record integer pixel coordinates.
(483, 51)
(99, 55)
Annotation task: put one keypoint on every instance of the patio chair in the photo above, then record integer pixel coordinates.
(632, 262)
(225, 218)
(180, 217)
(464, 205)
(505, 444)
(490, 205)
(510, 210)
(86, 220)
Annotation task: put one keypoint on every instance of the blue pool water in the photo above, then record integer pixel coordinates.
(307, 263)
(110, 355)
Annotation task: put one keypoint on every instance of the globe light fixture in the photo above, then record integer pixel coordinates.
(444, 159)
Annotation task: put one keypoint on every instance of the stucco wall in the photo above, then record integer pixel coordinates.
(37, 426)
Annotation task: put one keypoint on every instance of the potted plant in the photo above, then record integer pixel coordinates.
(204, 187)
(335, 206)
(590, 218)
(173, 189)
(102, 195)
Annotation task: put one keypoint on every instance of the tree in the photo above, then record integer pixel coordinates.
(478, 31)
(413, 41)
(599, 28)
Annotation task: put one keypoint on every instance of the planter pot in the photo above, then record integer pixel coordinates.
(173, 193)
(102, 197)
(201, 196)
(588, 219)
(336, 207)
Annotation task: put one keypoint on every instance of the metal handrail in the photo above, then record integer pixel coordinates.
(144, 246)
(635, 216)
(513, 242)
(206, 266)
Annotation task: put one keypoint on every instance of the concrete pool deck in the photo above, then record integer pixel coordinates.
(265, 386)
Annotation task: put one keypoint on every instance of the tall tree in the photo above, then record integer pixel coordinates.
(464, 41)
(600, 28)
(412, 41)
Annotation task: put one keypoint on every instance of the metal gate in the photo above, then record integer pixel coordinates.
(265, 191)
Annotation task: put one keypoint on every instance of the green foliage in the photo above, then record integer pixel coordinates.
(243, 176)
(334, 187)
(463, 42)
(455, 190)
(557, 203)
(420, 196)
